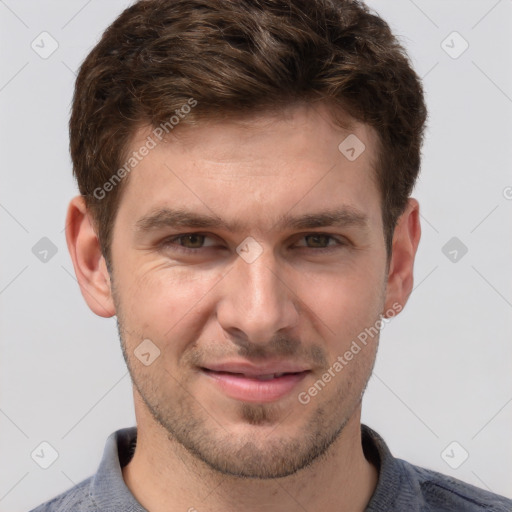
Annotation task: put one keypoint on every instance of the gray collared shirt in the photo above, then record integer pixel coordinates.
(401, 486)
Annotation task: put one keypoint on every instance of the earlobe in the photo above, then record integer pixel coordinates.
(88, 261)
(406, 239)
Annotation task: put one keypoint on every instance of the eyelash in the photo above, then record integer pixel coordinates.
(171, 242)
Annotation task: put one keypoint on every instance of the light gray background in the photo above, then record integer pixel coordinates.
(443, 372)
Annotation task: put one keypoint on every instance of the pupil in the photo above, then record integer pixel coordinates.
(318, 240)
(194, 240)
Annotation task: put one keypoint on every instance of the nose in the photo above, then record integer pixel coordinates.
(257, 300)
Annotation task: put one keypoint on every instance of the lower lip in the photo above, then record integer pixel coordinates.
(254, 390)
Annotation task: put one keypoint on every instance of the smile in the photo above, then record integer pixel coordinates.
(255, 388)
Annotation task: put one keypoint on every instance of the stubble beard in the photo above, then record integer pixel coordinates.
(256, 454)
(253, 455)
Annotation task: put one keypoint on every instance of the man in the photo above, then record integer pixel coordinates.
(245, 170)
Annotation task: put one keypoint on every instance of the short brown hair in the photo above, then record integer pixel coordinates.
(244, 57)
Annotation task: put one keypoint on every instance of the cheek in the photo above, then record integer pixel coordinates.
(159, 301)
(344, 303)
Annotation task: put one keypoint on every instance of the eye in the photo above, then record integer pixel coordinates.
(189, 241)
(320, 241)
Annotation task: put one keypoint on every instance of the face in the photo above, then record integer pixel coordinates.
(243, 251)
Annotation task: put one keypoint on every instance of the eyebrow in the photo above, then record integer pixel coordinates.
(180, 218)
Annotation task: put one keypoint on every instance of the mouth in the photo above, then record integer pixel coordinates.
(253, 386)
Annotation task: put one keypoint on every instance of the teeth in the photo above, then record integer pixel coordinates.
(269, 376)
(265, 377)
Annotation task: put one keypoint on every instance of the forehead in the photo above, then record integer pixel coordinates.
(261, 166)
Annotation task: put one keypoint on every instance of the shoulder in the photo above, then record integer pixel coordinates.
(105, 490)
(76, 499)
(444, 493)
(403, 486)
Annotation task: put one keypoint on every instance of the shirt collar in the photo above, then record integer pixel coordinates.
(109, 492)
(394, 487)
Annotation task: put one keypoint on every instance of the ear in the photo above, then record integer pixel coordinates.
(90, 266)
(406, 238)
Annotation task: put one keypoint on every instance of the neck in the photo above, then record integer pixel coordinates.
(163, 476)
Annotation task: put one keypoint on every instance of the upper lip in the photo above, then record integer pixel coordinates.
(253, 370)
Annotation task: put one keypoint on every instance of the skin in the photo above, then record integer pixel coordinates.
(304, 299)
